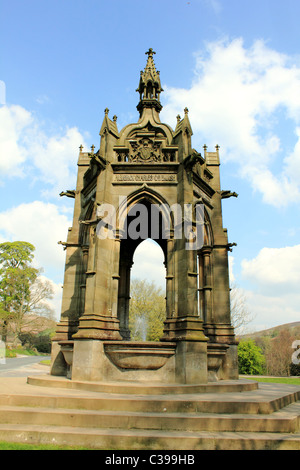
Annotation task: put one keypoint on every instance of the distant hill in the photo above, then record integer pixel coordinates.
(294, 328)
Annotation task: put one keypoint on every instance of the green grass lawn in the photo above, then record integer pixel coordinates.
(19, 446)
(278, 380)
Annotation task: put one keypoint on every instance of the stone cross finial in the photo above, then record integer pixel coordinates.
(106, 110)
(150, 52)
(186, 110)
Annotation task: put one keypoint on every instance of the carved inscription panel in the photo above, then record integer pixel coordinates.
(145, 178)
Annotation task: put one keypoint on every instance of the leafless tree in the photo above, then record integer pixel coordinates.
(240, 315)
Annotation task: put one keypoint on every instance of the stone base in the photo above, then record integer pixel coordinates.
(184, 328)
(100, 327)
(191, 362)
(230, 369)
(65, 329)
(184, 362)
(59, 366)
(91, 363)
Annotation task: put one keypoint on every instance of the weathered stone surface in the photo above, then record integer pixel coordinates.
(150, 164)
(224, 415)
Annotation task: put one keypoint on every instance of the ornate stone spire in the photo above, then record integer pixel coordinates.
(149, 86)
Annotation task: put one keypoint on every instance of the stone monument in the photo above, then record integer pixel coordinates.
(146, 181)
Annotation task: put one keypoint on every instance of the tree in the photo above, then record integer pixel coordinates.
(279, 354)
(250, 358)
(22, 292)
(147, 311)
(240, 315)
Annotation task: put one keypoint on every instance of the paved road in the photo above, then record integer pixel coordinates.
(22, 366)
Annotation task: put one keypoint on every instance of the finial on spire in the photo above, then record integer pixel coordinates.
(186, 111)
(106, 110)
(149, 86)
(150, 52)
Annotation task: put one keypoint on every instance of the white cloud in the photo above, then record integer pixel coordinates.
(14, 121)
(230, 267)
(41, 224)
(272, 310)
(275, 274)
(55, 158)
(274, 267)
(237, 99)
(26, 150)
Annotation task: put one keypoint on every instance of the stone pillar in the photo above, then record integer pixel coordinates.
(71, 299)
(218, 327)
(207, 284)
(170, 280)
(124, 297)
(99, 320)
(186, 327)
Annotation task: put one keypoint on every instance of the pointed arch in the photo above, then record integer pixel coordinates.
(146, 318)
(144, 195)
(208, 239)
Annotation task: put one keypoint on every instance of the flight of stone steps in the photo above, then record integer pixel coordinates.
(112, 416)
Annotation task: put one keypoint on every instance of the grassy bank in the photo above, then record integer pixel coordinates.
(276, 380)
(18, 446)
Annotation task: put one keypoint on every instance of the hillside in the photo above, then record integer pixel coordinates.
(294, 328)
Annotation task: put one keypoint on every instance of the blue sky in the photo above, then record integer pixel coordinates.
(234, 64)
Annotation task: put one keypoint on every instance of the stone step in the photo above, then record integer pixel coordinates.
(263, 418)
(234, 403)
(241, 385)
(147, 439)
(283, 421)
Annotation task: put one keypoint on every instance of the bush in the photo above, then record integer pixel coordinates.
(295, 369)
(41, 342)
(44, 348)
(250, 358)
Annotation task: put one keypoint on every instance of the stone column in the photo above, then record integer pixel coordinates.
(99, 320)
(218, 327)
(124, 297)
(85, 255)
(186, 327)
(200, 287)
(170, 280)
(207, 284)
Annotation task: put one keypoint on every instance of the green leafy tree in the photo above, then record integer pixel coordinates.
(20, 287)
(250, 358)
(147, 311)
